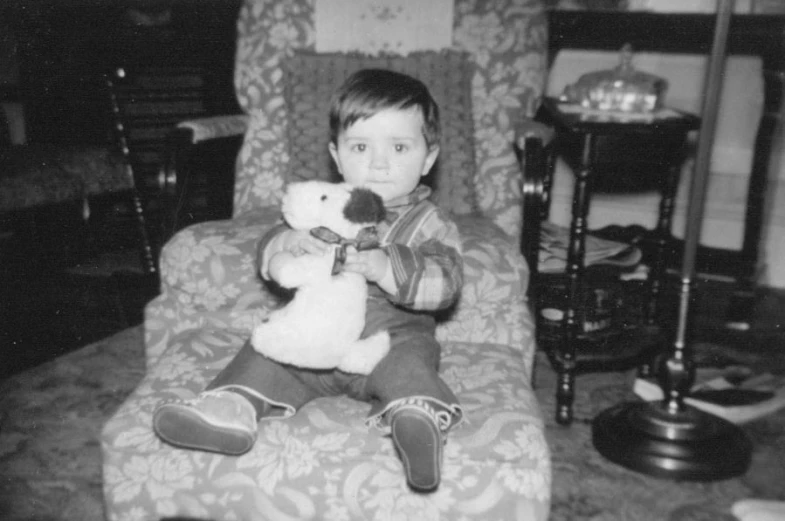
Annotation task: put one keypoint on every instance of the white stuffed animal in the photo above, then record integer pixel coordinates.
(320, 327)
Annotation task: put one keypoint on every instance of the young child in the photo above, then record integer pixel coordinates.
(384, 135)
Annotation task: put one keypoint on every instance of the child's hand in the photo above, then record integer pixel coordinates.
(371, 264)
(278, 264)
(300, 242)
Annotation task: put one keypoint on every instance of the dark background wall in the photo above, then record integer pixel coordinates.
(65, 47)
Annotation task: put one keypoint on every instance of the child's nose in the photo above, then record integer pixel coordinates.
(379, 159)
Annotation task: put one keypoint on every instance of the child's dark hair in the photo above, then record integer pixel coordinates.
(369, 91)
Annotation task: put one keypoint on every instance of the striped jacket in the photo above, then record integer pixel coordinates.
(424, 249)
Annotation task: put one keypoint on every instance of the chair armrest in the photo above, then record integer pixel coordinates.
(529, 129)
(219, 255)
(222, 255)
(492, 307)
(209, 280)
(208, 146)
(205, 129)
(532, 143)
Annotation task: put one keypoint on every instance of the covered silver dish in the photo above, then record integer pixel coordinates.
(622, 88)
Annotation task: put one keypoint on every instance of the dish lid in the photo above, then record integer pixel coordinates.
(623, 88)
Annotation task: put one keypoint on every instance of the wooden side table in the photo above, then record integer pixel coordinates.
(692, 33)
(620, 155)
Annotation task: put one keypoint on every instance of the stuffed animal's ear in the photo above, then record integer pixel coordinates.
(364, 206)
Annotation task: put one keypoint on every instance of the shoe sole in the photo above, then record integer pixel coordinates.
(184, 427)
(419, 444)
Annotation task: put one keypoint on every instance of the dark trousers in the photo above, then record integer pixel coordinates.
(410, 369)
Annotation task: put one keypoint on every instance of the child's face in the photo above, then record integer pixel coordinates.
(386, 153)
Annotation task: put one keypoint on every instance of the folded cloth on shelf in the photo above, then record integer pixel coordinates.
(554, 245)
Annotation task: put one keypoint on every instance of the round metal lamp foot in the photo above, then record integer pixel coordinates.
(686, 445)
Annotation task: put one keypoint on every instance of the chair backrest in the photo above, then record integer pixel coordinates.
(504, 42)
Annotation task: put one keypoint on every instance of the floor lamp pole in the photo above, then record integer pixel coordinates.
(670, 439)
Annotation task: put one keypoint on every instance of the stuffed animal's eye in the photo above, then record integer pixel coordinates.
(324, 198)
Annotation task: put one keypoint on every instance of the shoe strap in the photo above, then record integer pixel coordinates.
(441, 418)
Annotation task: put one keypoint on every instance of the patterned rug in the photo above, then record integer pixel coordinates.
(51, 417)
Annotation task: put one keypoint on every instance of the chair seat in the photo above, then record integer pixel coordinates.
(324, 461)
(38, 174)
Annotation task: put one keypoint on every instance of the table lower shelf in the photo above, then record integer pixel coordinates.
(710, 261)
(624, 349)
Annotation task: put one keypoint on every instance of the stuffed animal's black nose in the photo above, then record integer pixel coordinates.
(364, 206)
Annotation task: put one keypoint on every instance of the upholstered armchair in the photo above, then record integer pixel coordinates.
(324, 463)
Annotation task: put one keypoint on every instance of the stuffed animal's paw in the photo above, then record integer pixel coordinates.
(364, 354)
(292, 271)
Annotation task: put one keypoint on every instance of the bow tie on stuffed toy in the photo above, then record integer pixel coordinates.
(367, 239)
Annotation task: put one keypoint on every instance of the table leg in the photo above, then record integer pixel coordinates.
(662, 235)
(574, 306)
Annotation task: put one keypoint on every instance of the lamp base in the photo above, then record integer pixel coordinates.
(687, 445)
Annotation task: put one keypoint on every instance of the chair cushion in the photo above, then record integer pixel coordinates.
(324, 463)
(312, 78)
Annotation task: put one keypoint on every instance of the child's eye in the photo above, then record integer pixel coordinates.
(399, 147)
(358, 147)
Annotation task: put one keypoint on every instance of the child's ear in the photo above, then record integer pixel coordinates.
(430, 159)
(334, 153)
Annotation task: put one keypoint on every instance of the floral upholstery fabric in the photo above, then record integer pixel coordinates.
(311, 80)
(324, 459)
(324, 463)
(505, 40)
